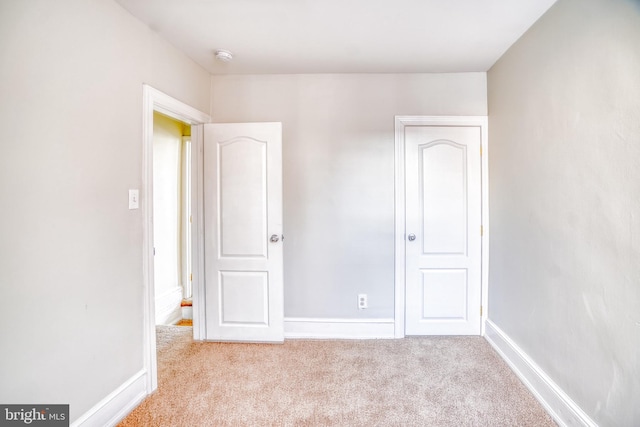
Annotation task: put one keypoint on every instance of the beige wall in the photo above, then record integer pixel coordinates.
(338, 167)
(564, 128)
(71, 80)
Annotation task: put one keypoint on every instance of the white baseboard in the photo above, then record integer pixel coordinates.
(168, 310)
(297, 327)
(117, 405)
(557, 403)
(187, 313)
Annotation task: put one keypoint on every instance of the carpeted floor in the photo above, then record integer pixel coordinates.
(430, 381)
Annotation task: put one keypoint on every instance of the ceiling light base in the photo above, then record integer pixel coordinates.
(224, 55)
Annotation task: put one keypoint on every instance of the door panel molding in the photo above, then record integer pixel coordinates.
(433, 179)
(248, 218)
(401, 123)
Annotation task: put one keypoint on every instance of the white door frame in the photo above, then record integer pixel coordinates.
(400, 219)
(154, 100)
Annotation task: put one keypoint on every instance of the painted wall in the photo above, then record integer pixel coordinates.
(564, 128)
(167, 193)
(338, 166)
(71, 250)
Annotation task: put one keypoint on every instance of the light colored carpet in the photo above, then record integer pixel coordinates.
(430, 381)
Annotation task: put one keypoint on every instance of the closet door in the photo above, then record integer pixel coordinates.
(443, 230)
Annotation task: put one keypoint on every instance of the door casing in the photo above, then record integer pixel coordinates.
(400, 224)
(155, 100)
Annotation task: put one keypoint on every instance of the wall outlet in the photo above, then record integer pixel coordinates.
(362, 301)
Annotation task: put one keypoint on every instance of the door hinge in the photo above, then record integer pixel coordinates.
(191, 277)
(481, 231)
(190, 219)
(481, 150)
(480, 311)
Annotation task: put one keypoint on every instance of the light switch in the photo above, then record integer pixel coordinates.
(134, 199)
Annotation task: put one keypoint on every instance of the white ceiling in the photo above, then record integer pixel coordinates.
(341, 36)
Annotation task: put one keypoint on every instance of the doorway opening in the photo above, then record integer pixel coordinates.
(155, 101)
(172, 220)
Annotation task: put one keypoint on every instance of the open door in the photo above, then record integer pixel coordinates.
(243, 253)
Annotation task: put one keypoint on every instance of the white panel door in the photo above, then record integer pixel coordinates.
(243, 232)
(443, 219)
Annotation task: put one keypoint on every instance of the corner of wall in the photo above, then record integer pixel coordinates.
(557, 403)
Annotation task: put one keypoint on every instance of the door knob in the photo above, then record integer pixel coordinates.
(411, 237)
(274, 238)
